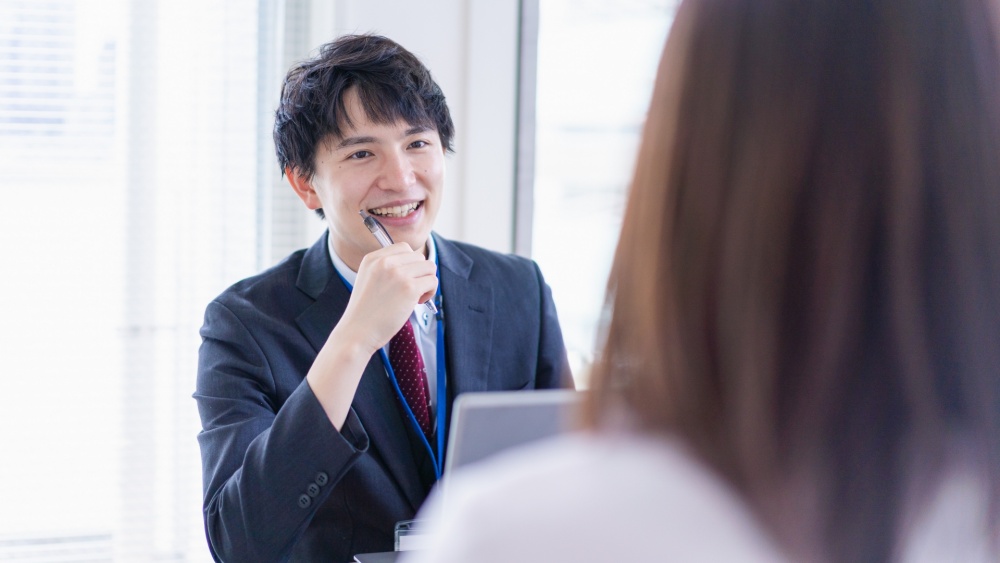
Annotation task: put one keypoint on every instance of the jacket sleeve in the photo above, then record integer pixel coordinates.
(266, 467)
(553, 365)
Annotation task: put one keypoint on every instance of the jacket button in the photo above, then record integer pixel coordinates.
(322, 479)
(305, 501)
(313, 490)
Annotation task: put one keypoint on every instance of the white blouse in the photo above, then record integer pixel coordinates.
(585, 498)
(598, 498)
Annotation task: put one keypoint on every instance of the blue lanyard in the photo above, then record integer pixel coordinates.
(442, 381)
(436, 456)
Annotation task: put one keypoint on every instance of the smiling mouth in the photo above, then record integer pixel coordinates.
(396, 210)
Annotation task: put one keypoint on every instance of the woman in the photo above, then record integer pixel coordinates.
(802, 357)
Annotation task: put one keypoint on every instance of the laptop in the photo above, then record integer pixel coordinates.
(381, 557)
(485, 423)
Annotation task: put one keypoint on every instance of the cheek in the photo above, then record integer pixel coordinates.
(350, 191)
(436, 175)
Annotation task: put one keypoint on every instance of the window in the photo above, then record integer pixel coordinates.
(596, 64)
(138, 181)
(62, 260)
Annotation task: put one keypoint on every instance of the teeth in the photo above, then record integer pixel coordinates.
(395, 211)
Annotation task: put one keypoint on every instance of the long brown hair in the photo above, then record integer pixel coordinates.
(807, 284)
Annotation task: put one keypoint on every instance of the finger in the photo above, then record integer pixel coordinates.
(383, 253)
(413, 268)
(428, 295)
(397, 277)
(398, 253)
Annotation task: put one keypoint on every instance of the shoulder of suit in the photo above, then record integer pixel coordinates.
(484, 256)
(273, 281)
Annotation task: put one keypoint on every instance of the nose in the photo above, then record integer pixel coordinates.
(397, 172)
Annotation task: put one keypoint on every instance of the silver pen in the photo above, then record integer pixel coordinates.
(383, 238)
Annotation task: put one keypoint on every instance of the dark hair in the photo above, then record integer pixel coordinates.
(391, 83)
(807, 284)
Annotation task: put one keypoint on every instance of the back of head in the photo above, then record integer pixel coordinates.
(807, 284)
(391, 83)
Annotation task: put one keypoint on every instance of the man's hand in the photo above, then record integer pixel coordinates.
(391, 282)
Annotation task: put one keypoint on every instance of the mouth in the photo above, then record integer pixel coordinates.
(396, 210)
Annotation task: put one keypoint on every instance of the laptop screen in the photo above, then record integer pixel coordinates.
(484, 423)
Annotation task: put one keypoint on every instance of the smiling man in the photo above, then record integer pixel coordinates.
(325, 383)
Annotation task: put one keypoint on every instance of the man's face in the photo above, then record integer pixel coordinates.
(395, 172)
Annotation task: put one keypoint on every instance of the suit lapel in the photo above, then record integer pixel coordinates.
(468, 307)
(375, 400)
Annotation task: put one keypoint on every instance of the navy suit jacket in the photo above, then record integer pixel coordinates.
(280, 482)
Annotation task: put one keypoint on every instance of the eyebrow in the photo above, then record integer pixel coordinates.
(351, 141)
(361, 140)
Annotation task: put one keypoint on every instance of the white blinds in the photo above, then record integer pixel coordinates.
(136, 177)
(61, 264)
(57, 76)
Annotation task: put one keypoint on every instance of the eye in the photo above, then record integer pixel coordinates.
(360, 155)
(419, 144)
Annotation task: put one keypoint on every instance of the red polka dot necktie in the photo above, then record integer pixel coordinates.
(411, 375)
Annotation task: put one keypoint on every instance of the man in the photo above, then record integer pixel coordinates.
(319, 435)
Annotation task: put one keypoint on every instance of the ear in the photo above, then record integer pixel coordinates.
(303, 188)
